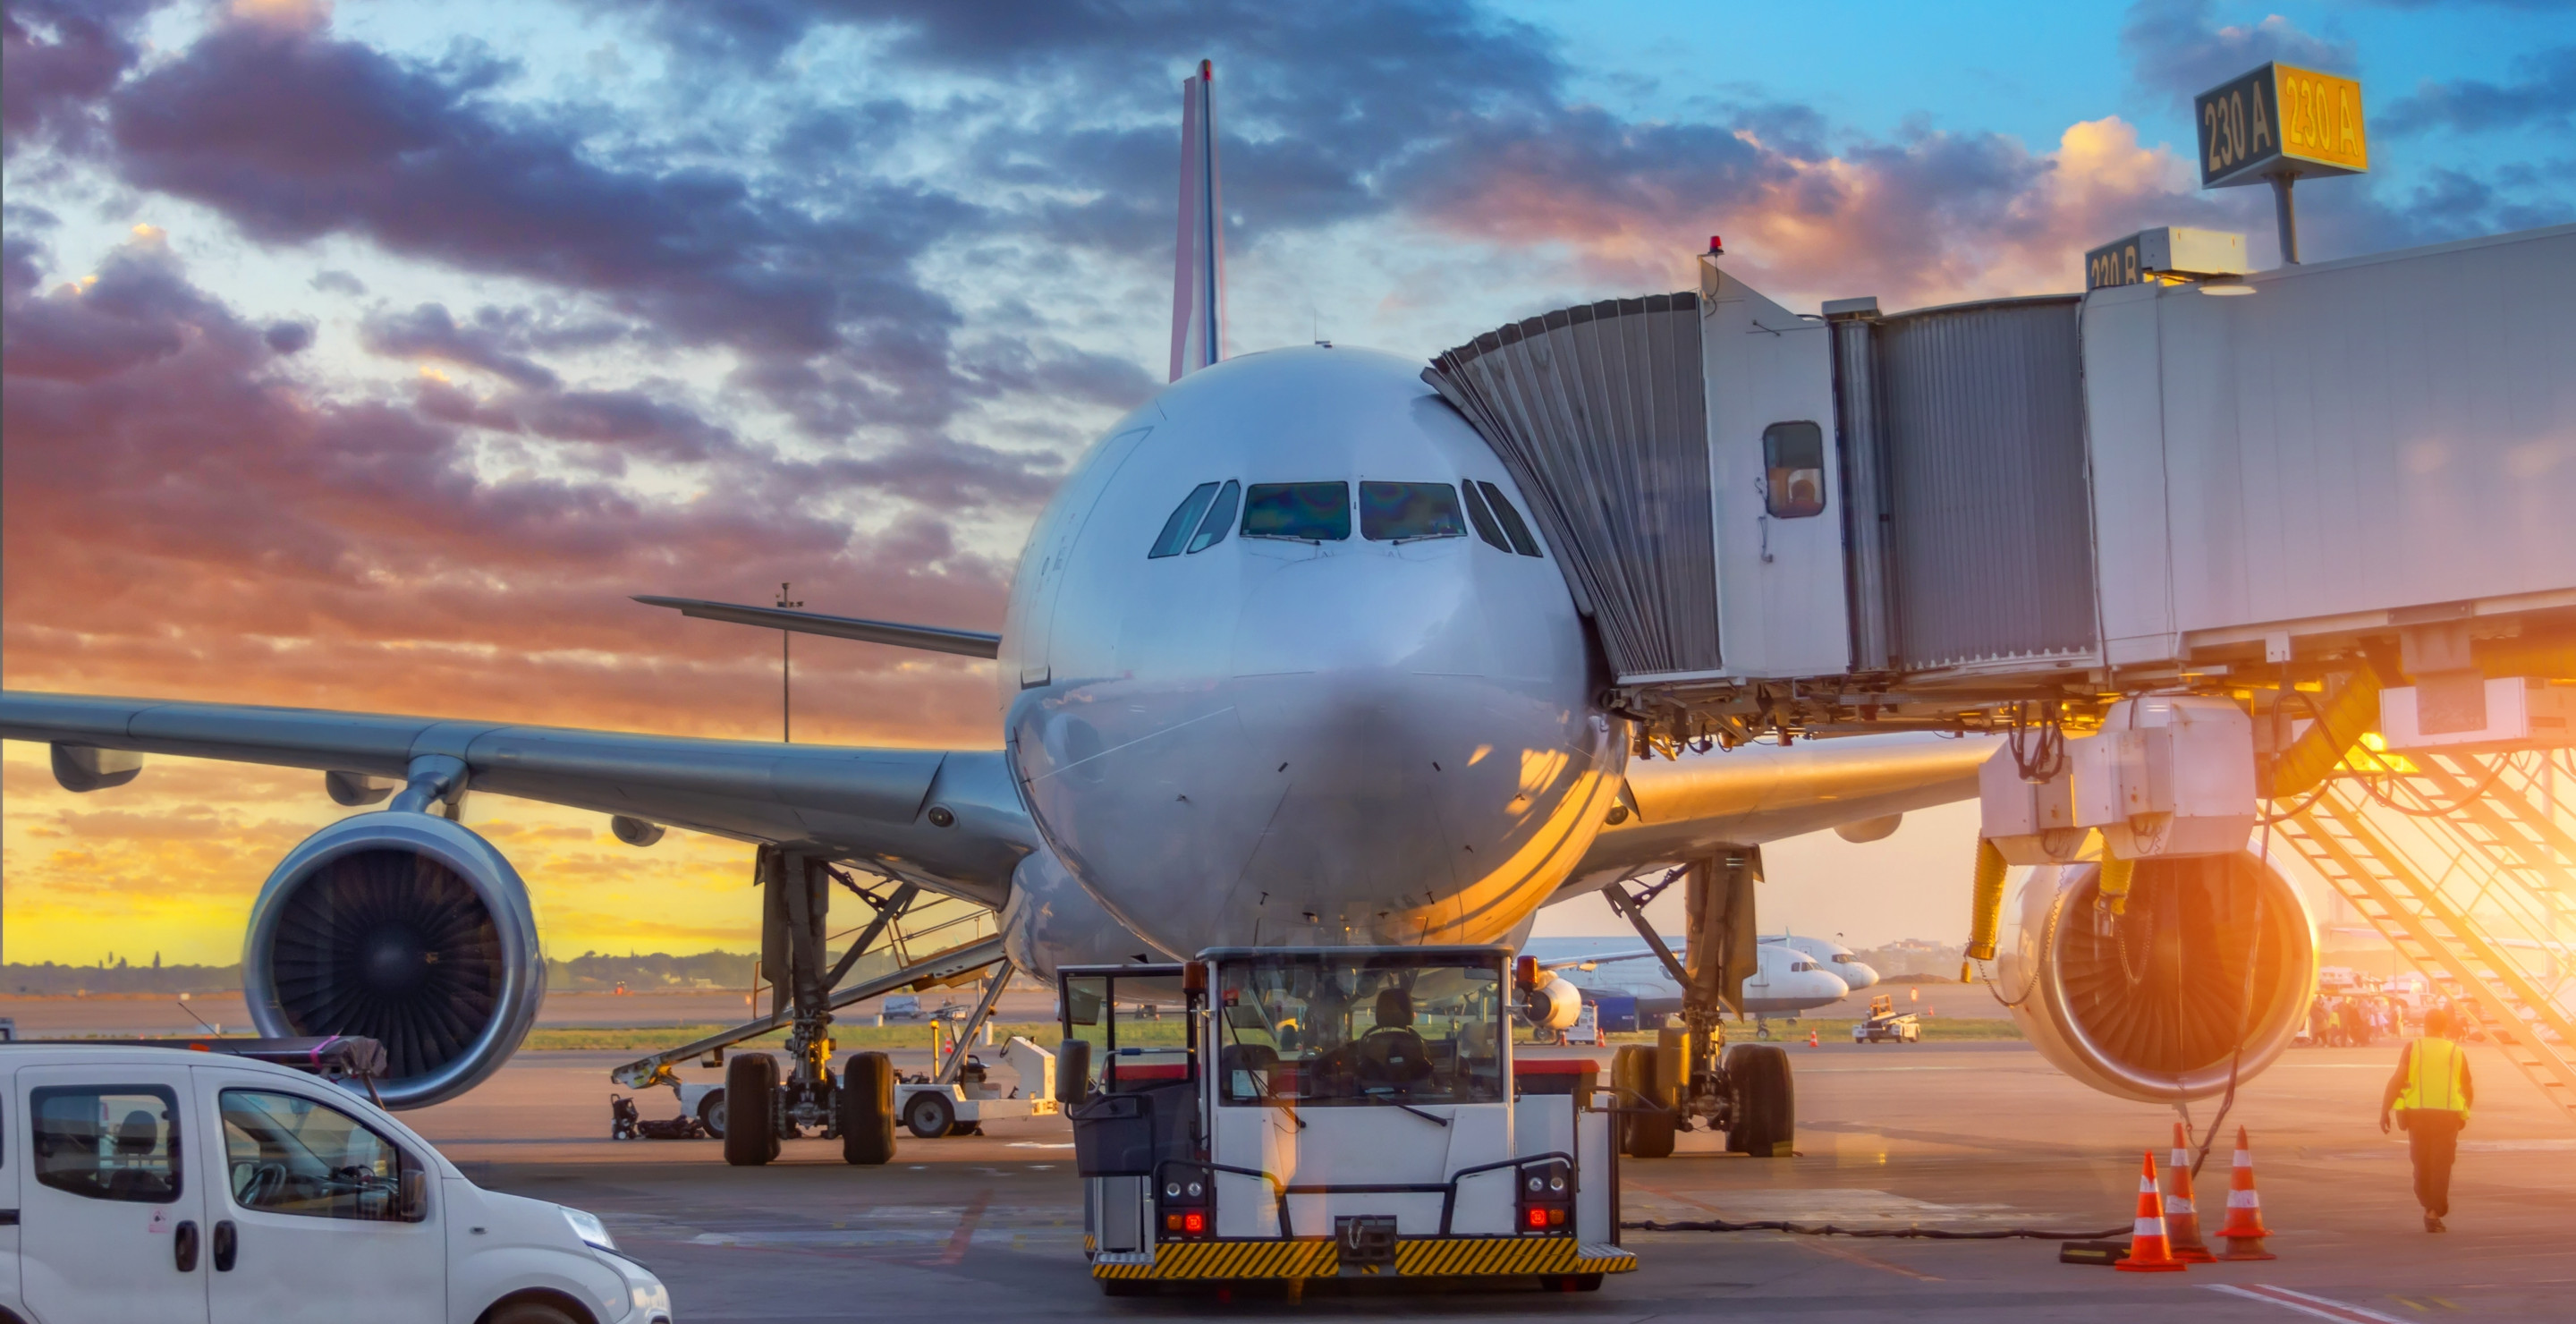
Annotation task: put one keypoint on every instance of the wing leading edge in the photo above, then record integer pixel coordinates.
(947, 819)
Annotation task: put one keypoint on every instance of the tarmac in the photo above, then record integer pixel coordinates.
(1972, 1135)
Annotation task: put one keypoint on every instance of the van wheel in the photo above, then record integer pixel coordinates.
(530, 1312)
(751, 1081)
(711, 1114)
(865, 1109)
(1766, 1108)
(931, 1115)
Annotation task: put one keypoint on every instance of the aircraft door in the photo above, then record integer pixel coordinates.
(112, 1223)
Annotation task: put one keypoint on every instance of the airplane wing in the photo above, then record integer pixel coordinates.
(949, 820)
(1687, 808)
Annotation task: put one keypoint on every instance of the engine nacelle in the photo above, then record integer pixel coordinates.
(407, 929)
(1552, 1003)
(2153, 1004)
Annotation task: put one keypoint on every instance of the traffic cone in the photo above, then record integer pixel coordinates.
(2147, 1250)
(1811, 1039)
(2182, 1220)
(2244, 1231)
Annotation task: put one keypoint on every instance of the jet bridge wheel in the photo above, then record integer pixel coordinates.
(865, 1109)
(930, 1115)
(751, 1084)
(1765, 1108)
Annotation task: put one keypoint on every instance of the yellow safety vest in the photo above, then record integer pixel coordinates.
(2437, 1076)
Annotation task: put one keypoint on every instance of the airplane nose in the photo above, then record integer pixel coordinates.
(1857, 975)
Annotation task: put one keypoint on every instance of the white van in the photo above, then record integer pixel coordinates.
(141, 1183)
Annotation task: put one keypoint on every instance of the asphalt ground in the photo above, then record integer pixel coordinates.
(1961, 1135)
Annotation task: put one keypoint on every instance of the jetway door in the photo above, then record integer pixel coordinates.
(1598, 411)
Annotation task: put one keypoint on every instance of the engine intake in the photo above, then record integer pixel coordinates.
(407, 929)
(2154, 1003)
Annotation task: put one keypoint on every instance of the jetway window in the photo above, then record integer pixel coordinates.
(1220, 518)
(1404, 512)
(1793, 466)
(1185, 517)
(1483, 516)
(1514, 527)
(1308, 512)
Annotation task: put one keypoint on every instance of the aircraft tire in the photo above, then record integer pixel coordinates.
(1766, 1110)
(865, 1104)
(1631, 1069)
(751, 1081)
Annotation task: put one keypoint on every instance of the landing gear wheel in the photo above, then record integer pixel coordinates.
(751, 1081)
(711, 1114)
(1645, 1131)
(1765, 1099)
(864, 1109)
(931, 1115)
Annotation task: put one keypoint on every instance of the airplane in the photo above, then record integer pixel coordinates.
(1829, 955)
(1785, 981)
(1283, 663)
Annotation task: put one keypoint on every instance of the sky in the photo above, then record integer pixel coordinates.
(371, 355)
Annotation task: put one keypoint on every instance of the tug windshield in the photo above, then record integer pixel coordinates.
(1341, 1028)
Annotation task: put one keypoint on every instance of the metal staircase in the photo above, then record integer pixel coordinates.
(2463, 865)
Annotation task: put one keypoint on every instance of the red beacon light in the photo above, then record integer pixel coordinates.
(1716, 245)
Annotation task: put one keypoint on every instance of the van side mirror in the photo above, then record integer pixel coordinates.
(1073, 1073)
(414, 1205)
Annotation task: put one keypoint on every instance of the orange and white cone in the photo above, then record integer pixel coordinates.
(2244, 1231)
(1811, 1039)
(2182, 1220)
(2148, 1252)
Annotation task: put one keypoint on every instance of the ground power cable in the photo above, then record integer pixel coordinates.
(1903, 1233)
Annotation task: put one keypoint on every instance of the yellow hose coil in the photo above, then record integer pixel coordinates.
(1988, 917)
(2116, 873)
(2340, 722)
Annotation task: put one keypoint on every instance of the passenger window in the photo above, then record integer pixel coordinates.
(287, 1154)
(1513, 526)
(1313, 512)
(109, 1142)
(1793, 470)
(1185, 517)
(1482, 516)
(1404, 512)
(1220, 518)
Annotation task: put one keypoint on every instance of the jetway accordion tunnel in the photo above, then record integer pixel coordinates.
(2204, 972)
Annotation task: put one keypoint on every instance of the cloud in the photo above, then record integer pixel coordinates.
(2177, 49)
(57, 57)
(2542, 94)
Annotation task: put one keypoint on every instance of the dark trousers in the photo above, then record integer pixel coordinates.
(2432, 1140)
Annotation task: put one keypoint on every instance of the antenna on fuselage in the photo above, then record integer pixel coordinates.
(1198, 261)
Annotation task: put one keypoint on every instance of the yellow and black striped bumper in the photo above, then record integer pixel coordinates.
(1415, 1257)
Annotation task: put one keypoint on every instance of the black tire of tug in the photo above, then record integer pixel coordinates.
(864, 1109)
(751, 1083)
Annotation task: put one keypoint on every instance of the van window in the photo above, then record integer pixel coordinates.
(108, 1142)
(1220, 518)
(1513, 525)
(1403, 512)
(1793, 470)
(287, 1154)
(1185, 517)
(1313, 512)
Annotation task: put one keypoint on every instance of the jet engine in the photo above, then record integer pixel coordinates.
(1552, 1003)
(2208, 967)
(407, 929)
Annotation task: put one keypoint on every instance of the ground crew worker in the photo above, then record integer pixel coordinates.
(2431, 1095)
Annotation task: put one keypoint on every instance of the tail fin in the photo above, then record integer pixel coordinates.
(1198, 266)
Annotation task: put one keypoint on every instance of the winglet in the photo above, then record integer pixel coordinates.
(1198, 263)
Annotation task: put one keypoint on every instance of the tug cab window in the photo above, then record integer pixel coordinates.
(1309, 512)
(1406, 512)
(1793, 470)
(1327, 1030)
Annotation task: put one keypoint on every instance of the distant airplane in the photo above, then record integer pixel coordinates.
(1833, 956)
(1785, 981)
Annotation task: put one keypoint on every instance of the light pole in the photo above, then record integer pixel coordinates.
(785, 730)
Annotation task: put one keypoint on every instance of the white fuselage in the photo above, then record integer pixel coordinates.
(1830, 956)
(1276, 741)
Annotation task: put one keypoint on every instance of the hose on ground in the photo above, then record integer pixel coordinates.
(1831, 1230)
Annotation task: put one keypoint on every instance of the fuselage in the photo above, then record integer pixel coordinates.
(1784, 981)
(1343, 706)
(1832, 957)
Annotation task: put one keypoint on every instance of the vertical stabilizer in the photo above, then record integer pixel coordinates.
(1198, 264)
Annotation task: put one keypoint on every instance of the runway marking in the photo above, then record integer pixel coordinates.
(1040, 1144)
(1823, 1247)
(965, 1234)
(2319, 1306)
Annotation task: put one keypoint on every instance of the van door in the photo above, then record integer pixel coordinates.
(112, 1221)
(13, 1161)
(317, 1216)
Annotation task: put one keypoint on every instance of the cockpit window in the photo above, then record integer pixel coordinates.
(1185, 517)
(1483, 517)
(1220, 518)
(1403, 512)
(1312, 512)
(1513, 526)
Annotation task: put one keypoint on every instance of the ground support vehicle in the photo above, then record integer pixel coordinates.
(1886, 1024)
(1334, 1112)
(218, 1186)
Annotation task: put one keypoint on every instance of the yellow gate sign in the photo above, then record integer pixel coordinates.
(2280, 120)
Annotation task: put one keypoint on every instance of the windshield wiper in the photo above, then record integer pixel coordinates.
(1436, 1118)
